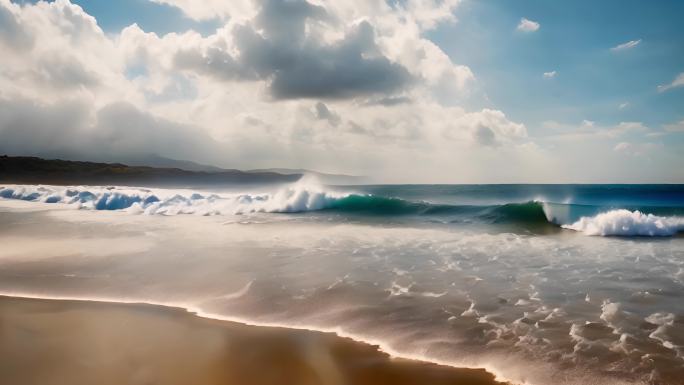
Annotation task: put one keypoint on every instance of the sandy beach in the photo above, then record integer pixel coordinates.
(55, 342)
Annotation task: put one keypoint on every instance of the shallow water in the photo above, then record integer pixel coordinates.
(458, 280)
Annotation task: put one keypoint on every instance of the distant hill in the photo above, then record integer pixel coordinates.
(153, 160)
(63, 172)
(162, 162)
(324, 178)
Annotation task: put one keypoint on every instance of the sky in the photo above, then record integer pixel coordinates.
(402, 91)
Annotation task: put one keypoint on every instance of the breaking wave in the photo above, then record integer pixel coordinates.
(628, 223)
(295, 198)
(291, 199)
(311, 197)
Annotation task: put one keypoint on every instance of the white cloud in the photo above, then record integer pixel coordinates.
(550, 75)
(675, 127)
(213, 9)
(527, 25)
(487, 128)
(623, 106)
(587, 124)
(625, 46)
(429, 13)
(637, 149)
(677, 82)
(622, 146)
(70, 90)
(588, 129)
(426, 13)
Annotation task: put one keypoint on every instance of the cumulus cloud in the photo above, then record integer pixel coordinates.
(13, 35)
(212, 9)
(347, 68)
(349, 87)
(426, 13)
(68, 53)
(293, 63)
(527, 25)
(625, 46)
(677, 82)
(488, 128)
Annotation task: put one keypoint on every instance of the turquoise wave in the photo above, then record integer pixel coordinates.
(530, 212)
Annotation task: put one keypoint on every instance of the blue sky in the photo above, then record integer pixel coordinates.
(574, 39)
(113, 16)
(405, 90)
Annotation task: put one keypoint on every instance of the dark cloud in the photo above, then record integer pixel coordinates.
(128, 131)
(324, 113)
(485, 136)
(277, 49)
(344, 70)
(389, 101)
(120, 132)
(30, 128)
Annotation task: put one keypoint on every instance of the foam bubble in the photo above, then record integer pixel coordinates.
(664, 322)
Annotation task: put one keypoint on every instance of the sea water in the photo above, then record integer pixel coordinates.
(567, 284)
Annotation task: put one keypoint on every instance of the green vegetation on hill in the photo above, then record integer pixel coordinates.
(54, 171)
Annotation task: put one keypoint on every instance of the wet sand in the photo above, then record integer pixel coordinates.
(61, 342)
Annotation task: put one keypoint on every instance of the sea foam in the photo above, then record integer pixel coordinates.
(628, 223)
(298, 197)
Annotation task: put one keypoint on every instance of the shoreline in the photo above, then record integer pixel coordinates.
(352, 360)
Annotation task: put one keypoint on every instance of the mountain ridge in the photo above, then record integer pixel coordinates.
(34, 170)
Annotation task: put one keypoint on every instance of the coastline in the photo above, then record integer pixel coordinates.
(74, 341)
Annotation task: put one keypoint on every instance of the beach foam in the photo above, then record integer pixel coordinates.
(339, 276)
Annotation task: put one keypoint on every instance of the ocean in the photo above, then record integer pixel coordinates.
(540, 284)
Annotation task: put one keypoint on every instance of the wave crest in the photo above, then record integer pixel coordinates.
(291, 199)
(309, 197)
(296, 198)
(628, 223)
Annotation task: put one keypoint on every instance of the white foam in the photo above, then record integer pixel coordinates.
(628, 223)
(305, 195)
(470, 312)
(610, 312)
(664, 321)
(238, 294)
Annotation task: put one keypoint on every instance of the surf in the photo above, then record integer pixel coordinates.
(624, 222)
(310, 197)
